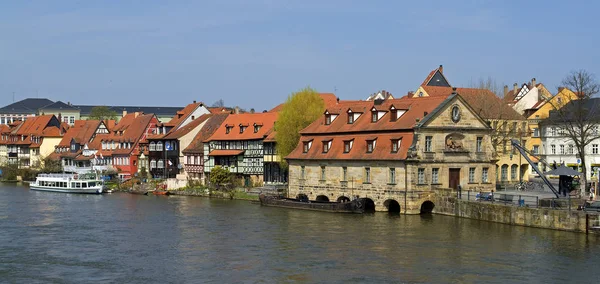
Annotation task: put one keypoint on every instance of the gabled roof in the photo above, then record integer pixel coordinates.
(266, 119)
(133, 126)
(436, 78)
(182, 131)
(81, 132)
(182, 115)
(484, 102)
(576, 110)
(26, 106)
(59, 106)
(37, 126)
(213, 123)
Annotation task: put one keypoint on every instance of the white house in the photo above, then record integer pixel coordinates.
(558, 148)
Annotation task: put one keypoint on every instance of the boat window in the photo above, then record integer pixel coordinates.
(84, 184)
(92, 184)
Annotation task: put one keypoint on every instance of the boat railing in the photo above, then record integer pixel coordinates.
(69, 176)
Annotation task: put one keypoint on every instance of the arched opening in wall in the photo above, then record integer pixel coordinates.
(302, 197)
(427, 207)
(322, 198)
(392, 206)
(343, 199)
(369, 205)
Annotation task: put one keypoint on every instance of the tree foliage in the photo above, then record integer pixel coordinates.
(579, 119)
(299, 110)
(50, 165)
(220, 176)
(102, 113)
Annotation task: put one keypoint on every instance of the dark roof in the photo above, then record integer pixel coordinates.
(576, 110)
(162, 111)
(58, 106)
(26, 106)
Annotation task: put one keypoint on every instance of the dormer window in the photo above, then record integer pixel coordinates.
(393, 114)
(348, 146)
(306, 146)
(228, 129)
(373, 116)
(257, 127)
(326, 146)
(327, 119)
(395, 145)
(242, 128)
(370, 146)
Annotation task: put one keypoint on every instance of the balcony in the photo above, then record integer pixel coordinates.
(23, 156)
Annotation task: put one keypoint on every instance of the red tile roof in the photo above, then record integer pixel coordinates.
(416, 108)
(213, 123)
(226, 152)
(182, 131)
(81, 132)
(485, 103)
(381, 151)
(182, 115)
(266, 120)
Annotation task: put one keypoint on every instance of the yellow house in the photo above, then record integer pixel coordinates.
(534, 144)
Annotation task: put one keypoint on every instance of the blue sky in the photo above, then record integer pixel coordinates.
(255, 53)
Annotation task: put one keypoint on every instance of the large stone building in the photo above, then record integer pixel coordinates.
(394, 152)
(506, 123)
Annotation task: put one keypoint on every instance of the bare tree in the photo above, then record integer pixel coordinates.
(578, 117)
(484, 96)
(219, 103)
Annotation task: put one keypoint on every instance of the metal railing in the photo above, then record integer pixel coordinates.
(521, 200)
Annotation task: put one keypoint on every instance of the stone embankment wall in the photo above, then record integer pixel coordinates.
(447, 203)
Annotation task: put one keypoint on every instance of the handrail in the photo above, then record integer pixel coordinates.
(523, 152)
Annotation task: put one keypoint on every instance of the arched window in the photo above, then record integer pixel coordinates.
(152, 164)
(161, 164)
(159, 146)
(152, 146)
(513, 172)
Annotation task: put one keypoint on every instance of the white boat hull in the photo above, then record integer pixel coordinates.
(67, 190)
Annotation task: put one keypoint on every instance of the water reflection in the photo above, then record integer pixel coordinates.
(130, 238)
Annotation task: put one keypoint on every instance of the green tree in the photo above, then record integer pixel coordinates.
(220, 176)
(299, 110)
(102, 113)
(50, 165)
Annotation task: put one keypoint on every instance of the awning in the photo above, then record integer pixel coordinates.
(563, 171)
(226, 152)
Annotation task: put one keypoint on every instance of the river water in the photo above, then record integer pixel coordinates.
(123, 238)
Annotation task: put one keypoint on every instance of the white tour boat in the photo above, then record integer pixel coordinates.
(69, 183)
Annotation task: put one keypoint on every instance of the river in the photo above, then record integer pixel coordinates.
(123, 238)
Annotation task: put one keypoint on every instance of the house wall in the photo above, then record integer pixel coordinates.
(196, 113)
(66, 116)
(3, 154)
(570, 159)
(527, 101)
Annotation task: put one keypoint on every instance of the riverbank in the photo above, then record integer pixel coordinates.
(578, 221)
(201, 192)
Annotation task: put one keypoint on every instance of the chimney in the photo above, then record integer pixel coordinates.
(237, 110)
(533, 82)
(505, 90)
(515, 88)
(124, 112)
(137, 113)
(252, 110)
(193, 117)
(337, 100)
(454, 90)
(441, 68)
(59, 117)
(194, 101)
